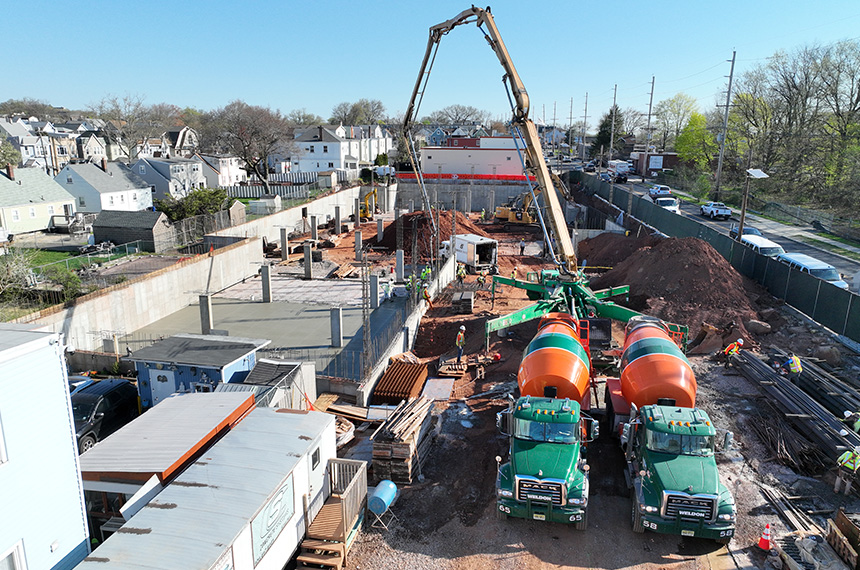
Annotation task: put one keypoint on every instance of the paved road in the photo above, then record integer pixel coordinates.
(788, 236)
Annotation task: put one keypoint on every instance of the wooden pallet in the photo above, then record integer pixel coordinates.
(344, 271)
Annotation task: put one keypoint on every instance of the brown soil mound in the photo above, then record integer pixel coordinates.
(425, 230)
(608, 249)
(683, 280)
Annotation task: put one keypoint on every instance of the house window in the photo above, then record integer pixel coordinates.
(325, 148)
(13, 559)
(194, 168)
(61, 150)
(331, 165)
(142, 169)
(69, 180)
(315, 458)
(312, 148)
(51, 210)
(122, 198)
(82, 202)
(111, 200)
(134, 196)
(429, 157)
(508, 157)
(32, 212)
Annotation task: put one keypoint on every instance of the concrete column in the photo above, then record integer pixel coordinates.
(266, 275)
(337, 220)
(336, 316)
(379, 229)
(374, 291)
(285, 247)
(411, 205)
(357, 211)
(358, 245)
(309, 267)
(205, 314)
(398, 269)
(314, 235)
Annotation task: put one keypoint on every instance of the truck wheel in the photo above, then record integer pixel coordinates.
(583, 524)
(713, 217)
(502, 516)
(636, 517)
(87, 443)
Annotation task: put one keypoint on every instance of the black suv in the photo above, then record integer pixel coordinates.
(102, 408)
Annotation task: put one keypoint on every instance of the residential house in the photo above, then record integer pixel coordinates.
(170, 177)
(192, 363)
(92, 147)
(323, 148)
(41, 144)
(24, 141)
(182, 142)
(222, 170)
(43, 522)
(439, 137)
(152, 229)
(105, 186)
(29, 200)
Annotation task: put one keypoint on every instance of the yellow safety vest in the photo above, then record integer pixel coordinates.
(850, 460)
(794, 365)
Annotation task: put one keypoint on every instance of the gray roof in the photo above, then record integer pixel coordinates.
(269, 372)
(118, 177)
(319, 134)
(157, 442)
(199, 350)
(31, 186)
(145, 219)
(200, 514)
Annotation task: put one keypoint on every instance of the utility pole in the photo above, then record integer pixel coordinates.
(723, 134)
(644, 164)
(570, 128)
(553, 131)
(612, 128)
(584, 124)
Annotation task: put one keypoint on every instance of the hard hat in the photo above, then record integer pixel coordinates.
(846, 414)
(462, 327)
(740, 341)
(843, 432)
(857, 449)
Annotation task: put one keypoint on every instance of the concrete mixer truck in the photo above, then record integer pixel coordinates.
(546, 476)
(669, 444)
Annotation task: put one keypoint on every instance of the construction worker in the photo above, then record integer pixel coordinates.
(461, 273)
(514, 273)
(852, 419)
(482, 279)
(409, 284)
(522, 246)
(426, 295)
(461, 342)
(483, 215)
(791, 367)
(848, 463)
(732, 349)
(386, 290)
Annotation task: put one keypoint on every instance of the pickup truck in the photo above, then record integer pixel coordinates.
(715, 210)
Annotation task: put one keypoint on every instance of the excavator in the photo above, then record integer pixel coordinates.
(523, 128)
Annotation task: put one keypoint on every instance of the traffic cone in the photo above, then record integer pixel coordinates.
(764, 541)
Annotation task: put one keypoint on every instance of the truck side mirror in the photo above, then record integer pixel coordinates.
(503, 422)
(594, 431)
(625, 433)
(728, 440)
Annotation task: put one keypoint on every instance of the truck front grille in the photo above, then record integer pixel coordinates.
(549, 490)
(689, 507)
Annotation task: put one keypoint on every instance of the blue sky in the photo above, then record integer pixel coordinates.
(290, 55)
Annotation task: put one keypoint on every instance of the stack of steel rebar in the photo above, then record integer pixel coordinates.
(809, 418)
(789, 447)
(832, 392)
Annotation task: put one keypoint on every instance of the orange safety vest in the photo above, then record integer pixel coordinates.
(426, 294)
(733, 348)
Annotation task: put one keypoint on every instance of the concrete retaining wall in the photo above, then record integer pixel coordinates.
(472, 197)
(126, 307)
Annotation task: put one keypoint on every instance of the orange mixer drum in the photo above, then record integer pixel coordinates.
(555, 358)
(653, 367)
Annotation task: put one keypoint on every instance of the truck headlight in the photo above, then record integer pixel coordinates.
(727, 517)
(648, 509)
(506, 493)
(582, 501)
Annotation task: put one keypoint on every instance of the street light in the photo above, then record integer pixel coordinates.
(751, 173)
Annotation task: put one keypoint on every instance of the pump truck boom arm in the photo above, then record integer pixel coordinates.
(535, 163)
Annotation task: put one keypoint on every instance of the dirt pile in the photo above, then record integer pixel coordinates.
(683, 280)
(609, 249)
(424, 230)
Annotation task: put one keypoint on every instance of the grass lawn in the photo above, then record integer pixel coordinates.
(831, 248)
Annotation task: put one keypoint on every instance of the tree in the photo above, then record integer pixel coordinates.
(696, 144)
(459, 115)
(604, 133)
(633, 120)
(15, 270)
(195, 203)
(132, 122)
(362, 112)
(26, 106)
(250, 133)
(9, 154)
(672, 115)
(302, 118)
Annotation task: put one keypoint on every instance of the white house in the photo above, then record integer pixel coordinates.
(221, 170)
(92, 147)
(174, 176)
(43, 522)
(29, 200)
(322, 148)
(105, 186)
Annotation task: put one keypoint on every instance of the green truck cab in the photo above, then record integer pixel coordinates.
(546, 477)
(671, 464)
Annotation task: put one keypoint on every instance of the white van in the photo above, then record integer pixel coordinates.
(762, 245)
(814, 267)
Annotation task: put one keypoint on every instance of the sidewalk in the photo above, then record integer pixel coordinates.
(796, 232)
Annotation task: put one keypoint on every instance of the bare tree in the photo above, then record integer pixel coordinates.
(15, 270)
(131, 121)
(362, 112)
(633, 120)
(26, 106)
(302, 118)
(459, 115)
(251, 133)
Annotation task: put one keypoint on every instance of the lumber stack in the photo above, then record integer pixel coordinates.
(401, 444)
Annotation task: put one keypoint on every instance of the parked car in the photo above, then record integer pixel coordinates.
(605, 177)
(589, 167)
(748, 231)
(668, 203)
(815, 267)
(715, 210)
(657, 190)
(762, 245)
(102, 408)
(78, 383)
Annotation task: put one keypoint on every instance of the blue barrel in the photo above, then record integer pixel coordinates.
(382, 497)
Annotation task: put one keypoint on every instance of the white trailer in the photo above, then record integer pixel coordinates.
(618, 170)
(476, 252)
